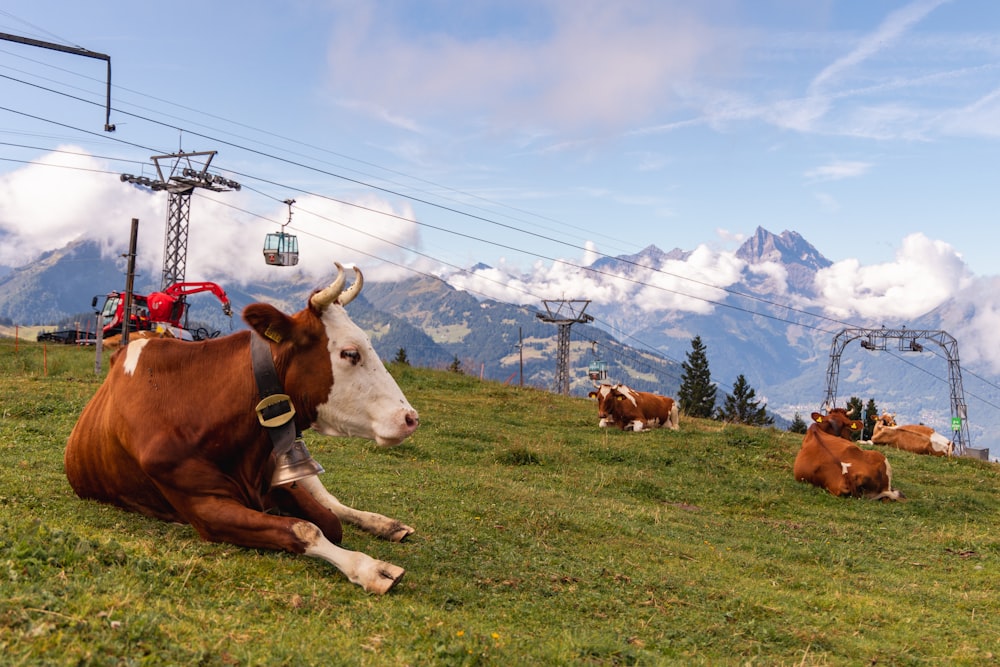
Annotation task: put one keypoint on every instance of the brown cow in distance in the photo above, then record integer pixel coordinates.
(915, 438)
(195, 432)
(635, 410)
(829, 459)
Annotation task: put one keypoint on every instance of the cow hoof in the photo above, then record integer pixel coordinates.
(387, 575)
(399, 533)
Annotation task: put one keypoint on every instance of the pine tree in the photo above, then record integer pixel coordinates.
(456, 366)
(798, 424)
(741, 408)
(401, 357)
(871, 416)
(696, 397)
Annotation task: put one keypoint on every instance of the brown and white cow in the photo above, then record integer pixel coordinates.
(829, 459)
(635, 410)
(601, 394)
(915, 438)
(173, 432)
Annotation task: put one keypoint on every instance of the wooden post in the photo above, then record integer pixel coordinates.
(129, 280)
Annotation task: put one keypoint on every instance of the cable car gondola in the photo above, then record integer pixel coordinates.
(280, 248)
(598, 370)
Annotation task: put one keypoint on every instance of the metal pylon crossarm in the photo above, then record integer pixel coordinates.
(875, 340)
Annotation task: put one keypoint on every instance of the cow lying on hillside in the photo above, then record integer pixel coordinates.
(829, 459)
(601, 394)
(635, 410)
(915, 438)
(173, 432)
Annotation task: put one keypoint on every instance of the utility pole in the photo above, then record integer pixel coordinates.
(180, 179)
(129, 281)
(564, 313)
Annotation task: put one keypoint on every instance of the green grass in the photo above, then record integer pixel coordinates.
(541, 539)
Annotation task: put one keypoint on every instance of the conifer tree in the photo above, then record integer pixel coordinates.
(696, 397)
(871, 416)
(401, 357)
(740, 407)
(798, 424)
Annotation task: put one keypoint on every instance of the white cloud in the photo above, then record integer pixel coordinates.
(973, 319)
(838, 170)
(924, 274)
(687, 286)
(897, 24)
(579, 64)
(43, 208)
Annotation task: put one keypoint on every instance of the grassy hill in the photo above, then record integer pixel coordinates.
(541, 539)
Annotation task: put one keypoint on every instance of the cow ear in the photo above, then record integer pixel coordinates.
(817, 417)
(856, 425)
(592, 394)
(268, 321)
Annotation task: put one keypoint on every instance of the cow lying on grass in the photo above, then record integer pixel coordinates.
(915, 438)
(829, 459)
(635, 410)
(173, 432)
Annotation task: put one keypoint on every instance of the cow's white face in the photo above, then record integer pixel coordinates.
(365, 400)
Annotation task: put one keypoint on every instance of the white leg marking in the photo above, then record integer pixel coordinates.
(370, 522)
(375, 576)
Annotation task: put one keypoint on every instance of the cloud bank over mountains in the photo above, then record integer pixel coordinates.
(40, 212)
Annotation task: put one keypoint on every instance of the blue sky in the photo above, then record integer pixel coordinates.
(516, 133)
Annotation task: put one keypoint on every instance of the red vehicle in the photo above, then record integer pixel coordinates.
(160, 310)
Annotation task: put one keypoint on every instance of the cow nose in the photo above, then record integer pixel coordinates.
(412, 419)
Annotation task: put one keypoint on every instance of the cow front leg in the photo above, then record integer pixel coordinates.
(225, 520)
(370, 522)
(375, 576)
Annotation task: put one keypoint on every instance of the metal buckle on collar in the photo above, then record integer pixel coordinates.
(271, 418)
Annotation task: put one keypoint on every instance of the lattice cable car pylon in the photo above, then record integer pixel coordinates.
(874, 339)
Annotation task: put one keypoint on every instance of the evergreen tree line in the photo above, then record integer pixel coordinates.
(697, 395)
(696, 398)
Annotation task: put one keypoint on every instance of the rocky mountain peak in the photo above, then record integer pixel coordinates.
(786, 248)
(799, 257)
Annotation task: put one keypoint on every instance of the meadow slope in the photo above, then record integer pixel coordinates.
(541, 539)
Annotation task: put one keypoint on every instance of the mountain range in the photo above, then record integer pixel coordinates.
(748, 328)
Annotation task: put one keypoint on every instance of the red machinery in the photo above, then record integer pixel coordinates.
(164, 310)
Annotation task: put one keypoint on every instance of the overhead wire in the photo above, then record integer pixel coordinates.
(424, 201)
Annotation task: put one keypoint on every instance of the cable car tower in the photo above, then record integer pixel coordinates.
(573, 314)
(182, 178)
(281, 249)
(874, 339)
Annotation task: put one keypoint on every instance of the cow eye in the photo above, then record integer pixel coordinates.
(351, 355)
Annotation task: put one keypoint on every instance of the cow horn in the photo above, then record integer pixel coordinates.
(328, 295)
(353, 290)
